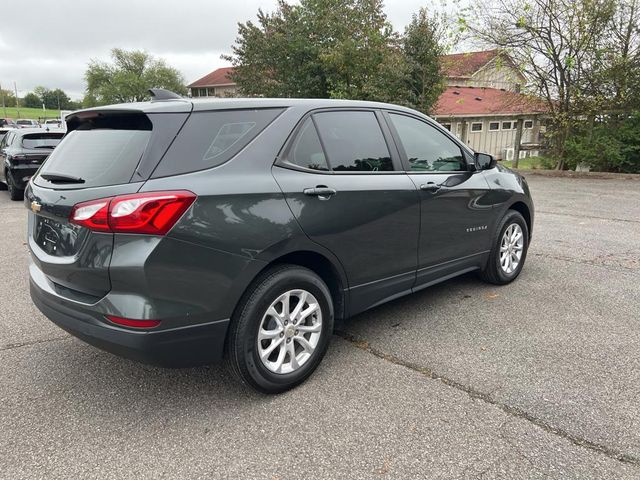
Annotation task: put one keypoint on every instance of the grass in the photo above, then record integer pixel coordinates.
(33, 113)
(530, 163)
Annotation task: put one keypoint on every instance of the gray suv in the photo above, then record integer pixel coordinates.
(180, 232)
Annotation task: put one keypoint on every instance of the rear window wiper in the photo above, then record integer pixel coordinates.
(61, 178)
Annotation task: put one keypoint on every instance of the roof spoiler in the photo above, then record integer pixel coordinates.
(162, 94)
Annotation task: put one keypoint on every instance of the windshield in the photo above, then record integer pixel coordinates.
(100, 157)
(25, 122)
(41, 140)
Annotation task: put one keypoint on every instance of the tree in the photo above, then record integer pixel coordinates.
(31, 100)
(129, 77)
(556, 43)
(9, 98)
(423, 47)
(318, 49)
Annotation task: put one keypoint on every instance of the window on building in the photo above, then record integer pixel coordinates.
(353, 142)
(506, 125)
(476, 127)
(528, 124)
(494, 126)
(447, 126)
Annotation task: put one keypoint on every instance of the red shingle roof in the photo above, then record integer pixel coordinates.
(459, 101)
(215, 78)
(462, 65)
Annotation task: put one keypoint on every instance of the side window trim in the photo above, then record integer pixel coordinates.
(291, 141)
(403, 154)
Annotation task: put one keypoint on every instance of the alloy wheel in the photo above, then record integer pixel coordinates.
(289, 331)
(511, 248)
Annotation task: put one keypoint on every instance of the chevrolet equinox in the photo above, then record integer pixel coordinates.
(179, 232)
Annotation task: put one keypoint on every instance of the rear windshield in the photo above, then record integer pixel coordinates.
(99, 157)
(209, 139)
(41, 140)
(25, 122)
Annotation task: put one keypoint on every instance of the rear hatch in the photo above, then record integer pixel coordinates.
(105, 153)
(36, 147)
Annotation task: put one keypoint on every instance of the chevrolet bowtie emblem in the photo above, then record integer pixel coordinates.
(35, 207)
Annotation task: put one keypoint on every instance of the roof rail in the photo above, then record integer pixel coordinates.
(162, 94)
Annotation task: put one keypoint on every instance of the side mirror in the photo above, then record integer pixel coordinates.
(484, 161)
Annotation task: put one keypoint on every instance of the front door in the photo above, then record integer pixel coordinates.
(349, 195)
(456, 217)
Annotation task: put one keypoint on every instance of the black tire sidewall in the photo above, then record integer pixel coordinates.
(250, 317)
(509, 219)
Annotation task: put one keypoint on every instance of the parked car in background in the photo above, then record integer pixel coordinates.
(22, 151)
(52, 123)
(7, 123)
(27, 123)
(180, 232)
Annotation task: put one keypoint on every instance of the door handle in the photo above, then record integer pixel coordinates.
(321, 191)
(430, 187)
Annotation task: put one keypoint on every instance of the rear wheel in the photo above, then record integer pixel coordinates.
(281, 329)
(509, 250)
(15, 193)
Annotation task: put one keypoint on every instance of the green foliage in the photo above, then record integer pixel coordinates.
(129, 78)
(9, 98)
(31, 100)
(52, 99)
(422, 48)
(609, 145)
(333, 49)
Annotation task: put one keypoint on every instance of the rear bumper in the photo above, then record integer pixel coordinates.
(183, 346)
(21, 175)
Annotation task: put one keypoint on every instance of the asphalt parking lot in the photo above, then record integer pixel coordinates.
(464, 380)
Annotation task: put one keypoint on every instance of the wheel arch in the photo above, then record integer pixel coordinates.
(523, 210)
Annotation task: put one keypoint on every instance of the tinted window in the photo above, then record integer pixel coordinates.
(41, 140)
(427, 149)
(306, 150)
(353, 142)
(209, 139)
(100, 157)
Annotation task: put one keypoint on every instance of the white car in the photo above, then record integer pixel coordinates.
(27, 123)
(52, 123)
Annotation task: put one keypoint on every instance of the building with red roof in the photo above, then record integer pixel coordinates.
(215, 84)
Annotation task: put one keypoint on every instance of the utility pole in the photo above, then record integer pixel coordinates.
(15, 88)
(4, 107)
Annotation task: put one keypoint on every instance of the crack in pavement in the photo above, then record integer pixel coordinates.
(591, 263)
(12, 346)
(487, 398)
(588, 216)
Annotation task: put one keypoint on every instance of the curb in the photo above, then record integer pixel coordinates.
(572, 174)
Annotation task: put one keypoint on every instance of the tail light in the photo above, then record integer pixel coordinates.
(153, 213)
(128, 322)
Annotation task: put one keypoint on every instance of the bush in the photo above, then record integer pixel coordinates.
(610, 145)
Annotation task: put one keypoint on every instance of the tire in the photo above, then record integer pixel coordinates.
(15, 193)
(270, 289)
(494, 272)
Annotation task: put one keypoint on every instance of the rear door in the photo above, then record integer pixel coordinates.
(456, 213)
(103, 155)
(345, 186)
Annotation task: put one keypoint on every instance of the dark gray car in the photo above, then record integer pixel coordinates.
(180, 232)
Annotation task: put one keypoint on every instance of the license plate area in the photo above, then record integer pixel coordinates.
(59, 239)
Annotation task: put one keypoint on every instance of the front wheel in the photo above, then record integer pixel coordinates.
(281, 329)
(509, 250)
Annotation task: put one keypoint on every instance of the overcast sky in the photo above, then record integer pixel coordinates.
(50, 42)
